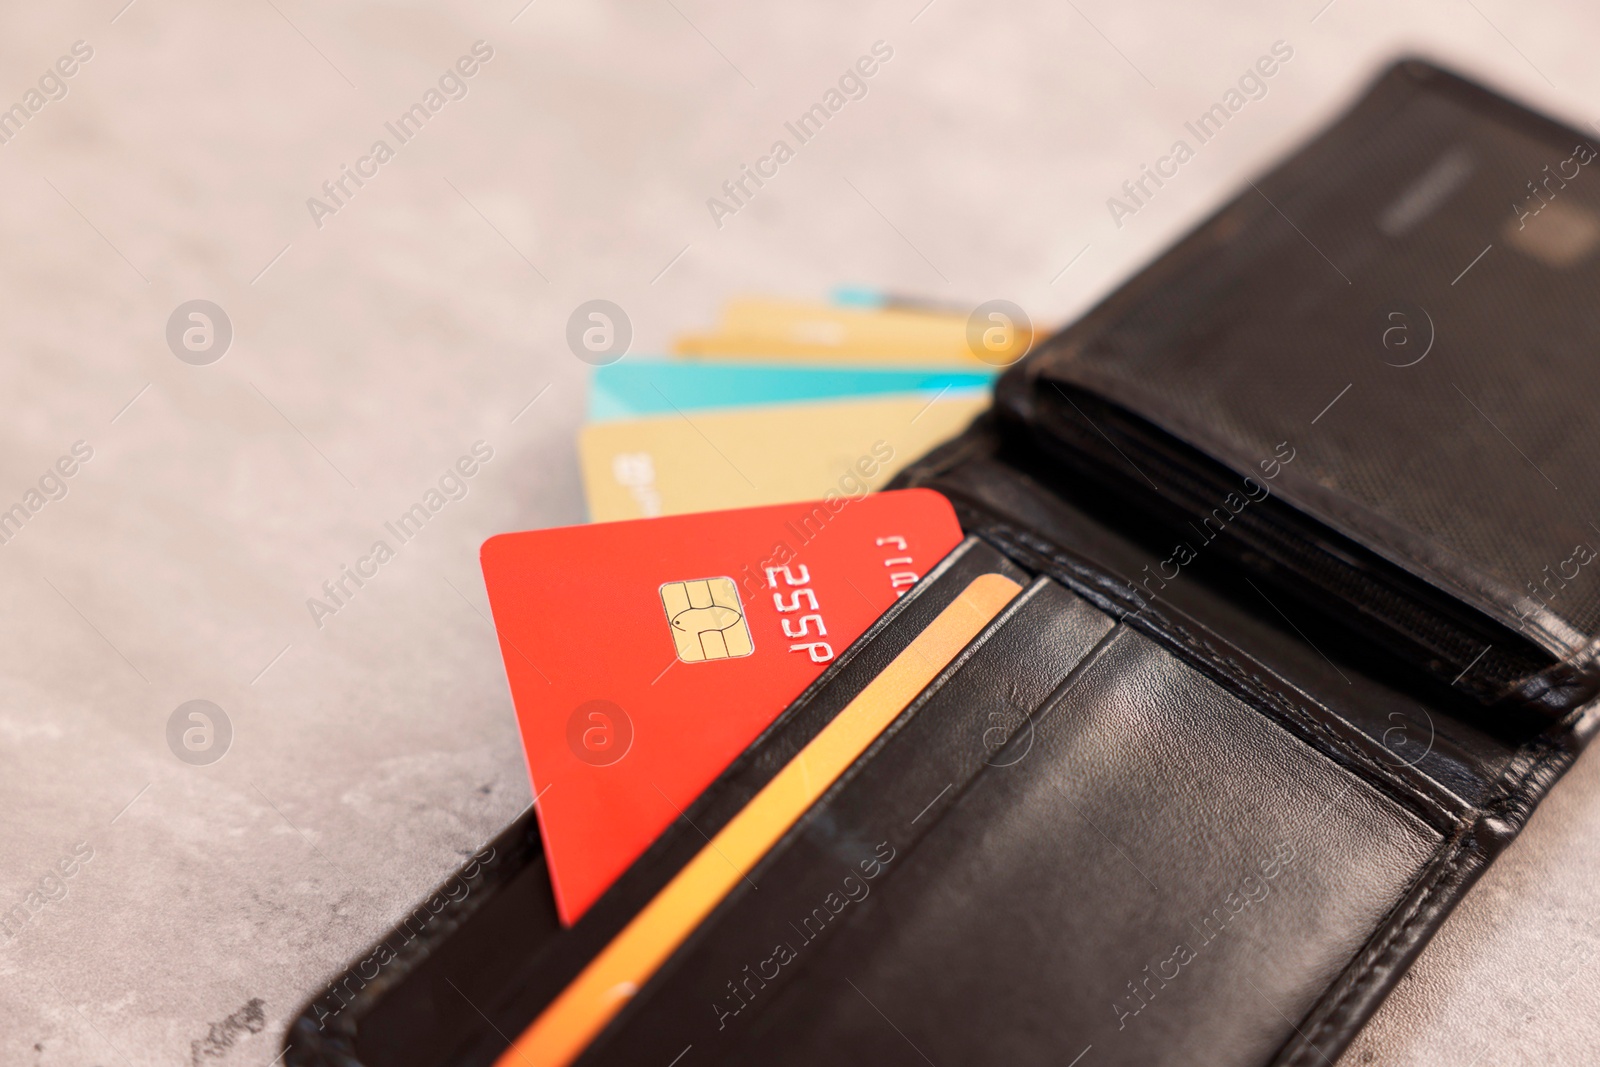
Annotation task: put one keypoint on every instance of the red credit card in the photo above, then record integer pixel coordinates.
(644, 656)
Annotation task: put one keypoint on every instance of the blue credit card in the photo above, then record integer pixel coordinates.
(634, 388)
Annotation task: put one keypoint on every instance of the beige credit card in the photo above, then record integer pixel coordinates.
(710, 460)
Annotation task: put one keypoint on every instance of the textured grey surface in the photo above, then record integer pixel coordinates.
(370, 755)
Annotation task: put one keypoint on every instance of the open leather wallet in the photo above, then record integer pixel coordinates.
(1291, 618)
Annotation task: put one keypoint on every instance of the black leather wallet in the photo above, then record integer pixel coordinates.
(1303, 519)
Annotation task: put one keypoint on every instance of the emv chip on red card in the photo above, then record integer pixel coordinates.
(643, 656)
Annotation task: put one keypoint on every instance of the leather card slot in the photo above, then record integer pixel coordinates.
(1250, 680)
(855, 838)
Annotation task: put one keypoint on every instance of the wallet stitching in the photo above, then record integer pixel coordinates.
(1380, 954)
(1543, 751)
(1261, 688)
(1300, 714)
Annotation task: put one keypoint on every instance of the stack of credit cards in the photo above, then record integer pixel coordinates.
(783, 401)
(644, 656)
(746, 616)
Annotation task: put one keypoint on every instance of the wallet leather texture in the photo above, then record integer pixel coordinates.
(1286, 676)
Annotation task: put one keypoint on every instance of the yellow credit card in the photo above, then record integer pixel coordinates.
(757, 328)
(693, 461)
(562, 1031)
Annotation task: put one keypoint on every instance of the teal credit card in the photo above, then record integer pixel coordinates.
(638, 387)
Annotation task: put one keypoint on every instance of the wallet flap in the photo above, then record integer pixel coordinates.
(1368, 374)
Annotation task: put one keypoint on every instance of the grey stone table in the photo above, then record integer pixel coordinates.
(391, 308)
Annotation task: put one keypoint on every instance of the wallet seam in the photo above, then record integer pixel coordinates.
(1263, 693)
(1300, 712)
(1465, 847)
(1336, 1011)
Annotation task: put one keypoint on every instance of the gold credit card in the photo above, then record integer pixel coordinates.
(758, 328)
(735, 458)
